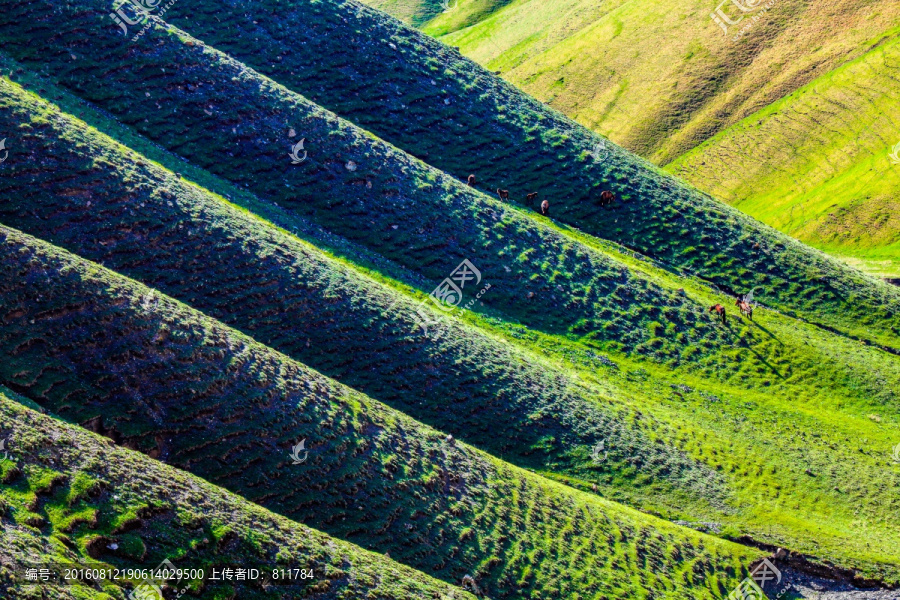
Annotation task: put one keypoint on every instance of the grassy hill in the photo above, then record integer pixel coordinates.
(778, 430)
(657, 215)
(593, 61)
(663, 100)
(199, 396)
(817, 163)
(111, 205)
(68, 496)
(151, 225)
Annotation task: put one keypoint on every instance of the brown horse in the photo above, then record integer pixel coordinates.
(720, 311)
(531, 197)
(471, 181)
(545, 206)
(504, 194)
(607, 198)
(745, 307)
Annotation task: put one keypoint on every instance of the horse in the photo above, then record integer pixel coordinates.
(545, 206)
(504, 194)
(531, 197)
(607, 198)
(471, 181)
(746, 308)
(720, 311)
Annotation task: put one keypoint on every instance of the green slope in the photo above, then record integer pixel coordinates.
(68, 496)
(662, 79)
(152, 225)
(817, 163)
(658, 79)
(157, 376)
(178, 238)
(247, 142)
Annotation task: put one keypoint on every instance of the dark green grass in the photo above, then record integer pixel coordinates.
(157, 376)
(535, 412)
(429, 101)
(70, 496)
(234, 123)
(148, 224)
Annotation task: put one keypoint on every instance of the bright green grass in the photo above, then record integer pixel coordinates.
(661, 79)
(808, 366)
(817, 164)
(856, 380)
(213, 401)
(658, 79)
(66, 495)
(422, 97)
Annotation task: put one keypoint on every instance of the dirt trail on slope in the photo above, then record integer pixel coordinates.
(813, 587)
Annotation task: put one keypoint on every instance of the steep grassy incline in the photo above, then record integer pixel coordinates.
(69, 496)
(659, 79)
(539, 401)
(818, 163)
(111, 205)
(413, 215)
(157, 376)
(237, 125)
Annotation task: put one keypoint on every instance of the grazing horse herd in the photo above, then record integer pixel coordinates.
(745, 307)
(606, 199)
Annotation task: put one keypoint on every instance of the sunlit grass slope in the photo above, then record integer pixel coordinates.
(71, 496)
(662, 78)
(151, 225)
(156, 376)
(113, 206)
(247, 142)
(659, 78)
(818, 163)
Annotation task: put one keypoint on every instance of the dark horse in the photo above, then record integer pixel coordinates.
(720, 311)
(471, 181)
(607, 198)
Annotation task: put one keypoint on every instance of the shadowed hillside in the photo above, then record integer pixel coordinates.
(135, 217)
(205, 398)
(592, 62)
(275, 237)
(149, 224)
(69, 496)
(655, 214)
